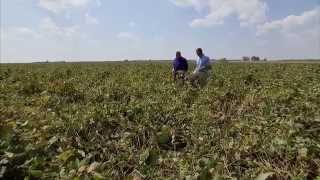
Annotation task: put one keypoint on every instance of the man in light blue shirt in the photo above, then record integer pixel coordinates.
(203, 62)
(202, 71)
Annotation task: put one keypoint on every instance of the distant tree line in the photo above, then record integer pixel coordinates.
(253, 58)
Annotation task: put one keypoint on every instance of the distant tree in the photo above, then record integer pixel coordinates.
(255, 58)
(223, 60)
(245, 58)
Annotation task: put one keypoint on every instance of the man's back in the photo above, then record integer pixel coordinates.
(180, 64)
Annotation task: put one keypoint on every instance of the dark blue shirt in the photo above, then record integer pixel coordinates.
(180, 64)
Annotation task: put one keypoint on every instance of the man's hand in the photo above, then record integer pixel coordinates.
(174, 75)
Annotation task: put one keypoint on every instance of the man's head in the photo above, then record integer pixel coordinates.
(199, 52)
(178, 54)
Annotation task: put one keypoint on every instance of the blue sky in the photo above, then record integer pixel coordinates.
(84, 30)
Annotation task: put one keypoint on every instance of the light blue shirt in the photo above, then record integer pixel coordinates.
(202, 63)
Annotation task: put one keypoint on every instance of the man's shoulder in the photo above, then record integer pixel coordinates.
(204, 58)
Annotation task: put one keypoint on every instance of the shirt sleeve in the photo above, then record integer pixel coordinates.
(208, 61)
(187, 66)
(174, 63)
(198, 63)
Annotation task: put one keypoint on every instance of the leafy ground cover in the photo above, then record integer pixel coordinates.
(130, 121)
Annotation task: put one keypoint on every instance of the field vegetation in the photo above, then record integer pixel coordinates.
(130, 121)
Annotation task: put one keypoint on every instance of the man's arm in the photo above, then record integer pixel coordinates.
(174, 70)
(198, 63)
(187, 65)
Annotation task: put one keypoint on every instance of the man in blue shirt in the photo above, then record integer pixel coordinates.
(180, 66)
(202, 71)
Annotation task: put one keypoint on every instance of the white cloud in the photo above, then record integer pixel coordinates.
(25, 31)
(132, 24)
(50, 28)
(247, 11)
(90, 19)
(297, 36)
(127, 36)
(47, 29)
(48, 40)
(197, 4)
(57, 6)
(308, 21)
(98, 3)
(18, 33)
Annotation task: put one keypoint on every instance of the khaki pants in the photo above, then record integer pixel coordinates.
(199, 78)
